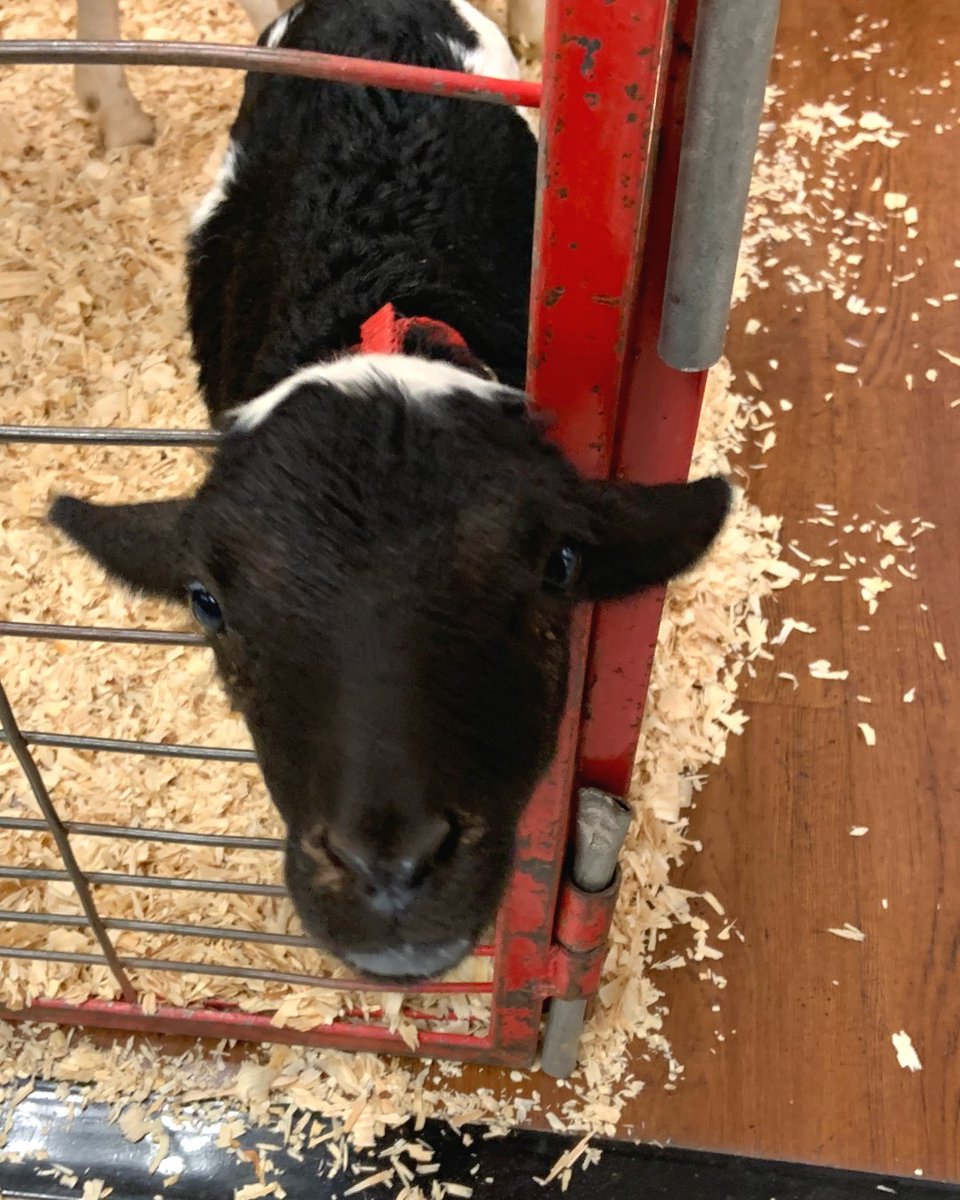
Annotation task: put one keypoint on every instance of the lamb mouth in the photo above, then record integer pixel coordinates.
(405, 961)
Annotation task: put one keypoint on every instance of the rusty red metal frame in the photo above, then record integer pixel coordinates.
(653, 443)
(602, 66)
(611, 112)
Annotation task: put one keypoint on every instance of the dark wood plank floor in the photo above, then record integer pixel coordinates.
(810, 1071)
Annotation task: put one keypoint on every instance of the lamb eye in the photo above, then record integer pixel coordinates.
(205, 608)
(563, 568)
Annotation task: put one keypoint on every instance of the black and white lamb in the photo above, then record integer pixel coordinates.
(387, 549)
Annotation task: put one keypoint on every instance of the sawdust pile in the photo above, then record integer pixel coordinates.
(91, 333)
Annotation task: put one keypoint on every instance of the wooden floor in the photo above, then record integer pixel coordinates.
(807, 1069)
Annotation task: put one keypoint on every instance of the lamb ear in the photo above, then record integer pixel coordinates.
(642, 536)
(140, 544)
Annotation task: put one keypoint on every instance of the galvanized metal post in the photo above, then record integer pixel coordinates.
(732, 50)
(602, 824)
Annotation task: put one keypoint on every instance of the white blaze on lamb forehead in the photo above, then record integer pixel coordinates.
(418, 378)
(218, 192)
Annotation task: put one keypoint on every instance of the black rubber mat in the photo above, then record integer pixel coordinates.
(43, 1133)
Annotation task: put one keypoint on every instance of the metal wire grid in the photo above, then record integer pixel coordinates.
(184, 54)
(20, 742)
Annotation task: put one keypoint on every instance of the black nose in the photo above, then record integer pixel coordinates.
(398, 864)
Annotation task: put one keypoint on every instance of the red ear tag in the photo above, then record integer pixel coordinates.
(385, 332)
(382, 333)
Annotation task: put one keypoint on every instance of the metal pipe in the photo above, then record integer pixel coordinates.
(174, 883)
(309, 64)
(139, 833)
(732, 50)
(413, 987)
(167, 928)
(17, 743)
(69, 741)
(92, 633)
(54, 435)
(218, 933)
(601, 826)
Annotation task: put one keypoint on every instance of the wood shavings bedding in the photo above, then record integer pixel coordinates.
(91, 333)
(794, 201)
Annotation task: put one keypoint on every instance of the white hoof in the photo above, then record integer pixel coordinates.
(126, 125)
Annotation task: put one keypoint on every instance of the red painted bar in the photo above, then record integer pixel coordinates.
(601, 72)
(252, 1027)
(309, 64)
(660, 408)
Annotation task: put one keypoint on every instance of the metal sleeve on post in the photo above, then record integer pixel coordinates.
(732, 50)
(601, 826)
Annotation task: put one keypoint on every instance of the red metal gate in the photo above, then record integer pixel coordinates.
(615, 83)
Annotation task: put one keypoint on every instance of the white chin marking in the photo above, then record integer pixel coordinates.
(413, 961)
(419, 379)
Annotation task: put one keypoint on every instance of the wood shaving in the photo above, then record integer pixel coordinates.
(821, 669)
(713, 902)
(907, 1056)
(256, 1191)
(162, 1139)
(790, 626)
(871, 588)
(859, 830)
(372, 1181)
(939, 651)
(849, 933)
(134, 1125)
(869, 733)
(565, 1161)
